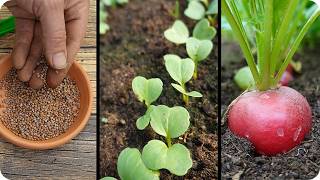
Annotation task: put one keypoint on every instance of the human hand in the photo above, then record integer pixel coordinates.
(54, 28)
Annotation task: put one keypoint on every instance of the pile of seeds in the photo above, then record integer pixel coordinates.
(38, 114)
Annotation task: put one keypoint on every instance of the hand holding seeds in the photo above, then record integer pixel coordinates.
(53, 28)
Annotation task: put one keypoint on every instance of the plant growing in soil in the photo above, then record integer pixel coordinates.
(273, 118)
(147, 91)
(199, 46)
(199, 9)
(156, 155)
(181, 71)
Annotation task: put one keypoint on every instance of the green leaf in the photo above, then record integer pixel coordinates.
(144, 120)
(104, 27)
(156, 155)
(147, 90)
(178, 33)
(244, 78)
(180, 89)
(170, 122)
(122, 1)
(195, 10)
(109, 2)
(181, 70)
(203, 30)
(213, 7)
(198, 50)
(131, 167)
(108, 178)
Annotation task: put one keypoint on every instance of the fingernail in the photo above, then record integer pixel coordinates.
(59, 60)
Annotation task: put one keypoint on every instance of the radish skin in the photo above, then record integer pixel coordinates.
(274, 121)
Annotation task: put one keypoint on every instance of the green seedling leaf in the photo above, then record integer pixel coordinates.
(122, 1)
(131, 167)
(180, 89)
(178, 33)
(170, 122)
(156, 155)
(181, 70)
(195, 10)
(147, 90)
(108, 178)
(104, 27)
(144, 120)
(244, 78)
(213, 7)
(203, 30)
(198, 50)
(109, 2)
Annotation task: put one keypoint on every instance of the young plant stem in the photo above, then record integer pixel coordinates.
(185, 98)
(295, 45)
(147, 104)
(176, 12)
(168, 139)
(195, 73)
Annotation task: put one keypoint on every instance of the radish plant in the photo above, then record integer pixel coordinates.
(170, 123)
(147, 91)
(273, 118)
(181, 70)
(199, 9)
(199, 46)
(156, 155)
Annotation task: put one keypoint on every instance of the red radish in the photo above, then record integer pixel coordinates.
(286, 78)
(274, 121)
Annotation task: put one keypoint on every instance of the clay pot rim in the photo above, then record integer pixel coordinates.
(60, 140)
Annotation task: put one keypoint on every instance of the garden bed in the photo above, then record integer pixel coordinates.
(239, 158)
(134, 46)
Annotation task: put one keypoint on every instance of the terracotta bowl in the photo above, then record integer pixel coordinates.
(77, 74)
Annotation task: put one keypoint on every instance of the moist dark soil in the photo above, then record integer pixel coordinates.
(238, 156)
(134, 46)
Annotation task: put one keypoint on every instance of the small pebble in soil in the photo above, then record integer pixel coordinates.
(38, 114)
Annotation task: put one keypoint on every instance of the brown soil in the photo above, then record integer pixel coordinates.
(135, 46)
(239, 158)
(38, 114)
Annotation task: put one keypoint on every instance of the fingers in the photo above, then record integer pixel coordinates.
(52, 20)
(76, 29)
(36, 81)
(34, 56)
(24, 36)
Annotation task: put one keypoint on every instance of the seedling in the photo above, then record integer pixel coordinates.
(195, 10)
(274, 119)
(203, 30)
(147, 91)
(199, 46)
(181, 70)
(178, 33)
(156, 155)
(198, 50)
(170, 123)
(130, 166)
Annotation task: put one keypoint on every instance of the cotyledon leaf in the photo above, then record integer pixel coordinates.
(181, 70)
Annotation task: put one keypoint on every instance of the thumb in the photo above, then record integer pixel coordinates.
(54, 33)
